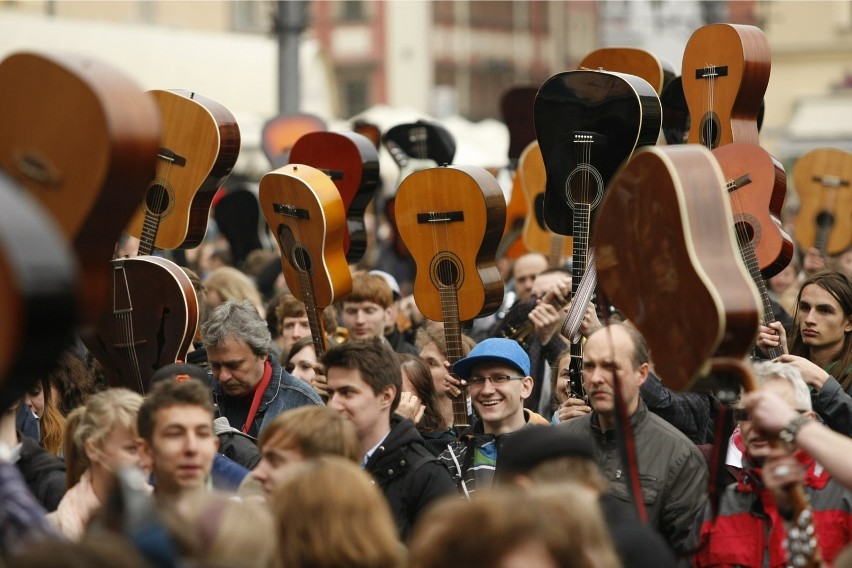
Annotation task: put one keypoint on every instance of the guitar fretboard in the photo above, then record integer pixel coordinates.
(452, 334)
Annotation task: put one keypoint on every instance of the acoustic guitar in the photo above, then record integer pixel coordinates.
(82, 139)
(588, 123)
(756, 184)
(280, 133)
(724, 77)
(689, 295)
(199, 146)
(38, 279)
(305, 212)
(451, 219)
(823, 177)
(633, 61)
(536, 235)
(352, 163)
(150, 324)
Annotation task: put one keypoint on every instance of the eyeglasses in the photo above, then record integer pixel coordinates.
(495, 379)
(742, 415)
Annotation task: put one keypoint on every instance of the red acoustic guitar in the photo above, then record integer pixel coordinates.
(151, 322)
(352, 163)
(451, 219)
(38, 279)
(198, 149)
(823, 180)
(689, 295)
(82, 139)
(724, 77)
(305, 213)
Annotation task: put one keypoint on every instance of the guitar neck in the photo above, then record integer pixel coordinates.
(750, 260)
(452, 334)
(314, 314)
(582, 217)
(554, 257)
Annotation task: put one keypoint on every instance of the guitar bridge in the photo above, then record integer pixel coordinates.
(171, 156)
(582, 137)
(831, 181)
(711, 72)
(440, 217)
(291, 211)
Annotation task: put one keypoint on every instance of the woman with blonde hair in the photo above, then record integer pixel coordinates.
(330, 514)
(100, 438)
(227, 283)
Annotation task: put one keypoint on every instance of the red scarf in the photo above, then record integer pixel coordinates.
(258, 395)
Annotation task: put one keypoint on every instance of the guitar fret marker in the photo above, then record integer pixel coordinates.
(291, 211)
(438, 217)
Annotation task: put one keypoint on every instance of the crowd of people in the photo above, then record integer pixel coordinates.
(257, 452)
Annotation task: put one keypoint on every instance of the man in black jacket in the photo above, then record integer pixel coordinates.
(364, 385)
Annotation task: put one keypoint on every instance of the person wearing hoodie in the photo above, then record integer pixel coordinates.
(497, 371)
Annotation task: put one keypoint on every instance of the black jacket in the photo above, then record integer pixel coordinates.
(43, 472)
(408, 474)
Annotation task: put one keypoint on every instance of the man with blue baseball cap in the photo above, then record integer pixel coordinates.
(497, 371)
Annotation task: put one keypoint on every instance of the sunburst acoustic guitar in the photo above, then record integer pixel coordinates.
(81, 138)
(451, 219)
(306, 215)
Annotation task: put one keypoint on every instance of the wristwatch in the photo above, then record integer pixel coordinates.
(788, 434)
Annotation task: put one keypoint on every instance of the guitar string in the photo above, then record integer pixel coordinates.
(708, 130)
(125, 327)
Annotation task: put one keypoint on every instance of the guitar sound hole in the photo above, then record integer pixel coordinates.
(157, 199)
(446, 270)
(745, 232)
(584, 186)
(302, 259)
(710, 131)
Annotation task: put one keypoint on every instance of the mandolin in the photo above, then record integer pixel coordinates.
(151, 321)
(588, 123)
(199, 146)
(756, 185)
(38, 280)
(536, 235)
(822, 179)
(82, 139)
(689, 295)
(724, 77)
(451, 219)
(280, 133)
(352, 163)
(305, 212)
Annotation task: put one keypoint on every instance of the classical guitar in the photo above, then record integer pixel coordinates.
(536, 235)
(281, 132)
(38, 280)
(151, 323)
(198, 149)
(588, 123)
(756, 184)
(451, 219)
(305, 213)
(633, 61)
(352, 163)
(823, 179)
(675, 197)
(81, 138)
(724, 77)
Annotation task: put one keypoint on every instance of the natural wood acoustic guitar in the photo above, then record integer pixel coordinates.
(823, 179)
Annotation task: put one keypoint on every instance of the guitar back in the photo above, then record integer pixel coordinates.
(82, 139)
(674, 198)
(724, 75)
(823, 179)
(537, 236)
(516, 108)
(305, 213)
(587, 124)
(352, 163)
(281, 133)
(199, 146)
(38, 284)
(451, 219)
(631, 60)
(151, 322)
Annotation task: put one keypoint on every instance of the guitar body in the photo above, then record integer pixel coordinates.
(38, 280)
(198, 149)
(451, 220)
(305, 213)
(281, 133)
(82, 139)
(588, 123)
(724, 75)
(512, 245)
(151, 322)
(691, 277)
(516, 108)
(536, 235)
(352, 163)
(676, 119)
(823, 178)
(631, 60)
(423, 140)
(757, 204)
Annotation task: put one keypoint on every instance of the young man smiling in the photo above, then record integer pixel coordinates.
(364, 385)
(498, 373)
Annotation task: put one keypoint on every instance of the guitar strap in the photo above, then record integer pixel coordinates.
(258, 396)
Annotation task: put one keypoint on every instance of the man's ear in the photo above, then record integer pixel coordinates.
(526, 387)
(387, 395)
(644, 371)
